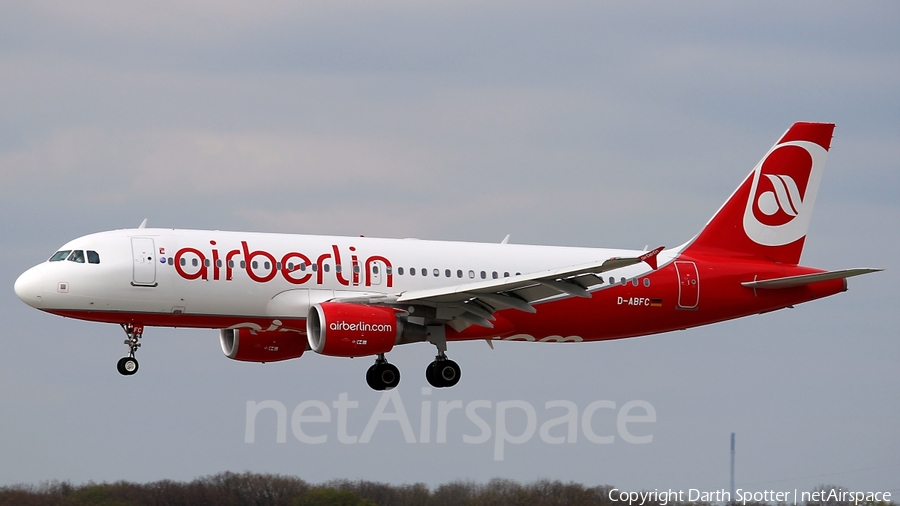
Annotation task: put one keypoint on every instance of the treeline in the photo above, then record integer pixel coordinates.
(250, 489)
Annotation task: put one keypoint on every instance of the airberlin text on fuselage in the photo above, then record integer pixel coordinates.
(295, 267)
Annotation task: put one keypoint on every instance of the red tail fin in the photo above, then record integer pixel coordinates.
(768, 215)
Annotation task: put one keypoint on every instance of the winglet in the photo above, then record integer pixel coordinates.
(650, 257)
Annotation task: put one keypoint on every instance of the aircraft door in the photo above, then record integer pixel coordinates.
(688, 285)
(144, 255)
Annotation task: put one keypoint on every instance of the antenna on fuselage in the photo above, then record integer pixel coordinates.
(143, 223)
(505, 239)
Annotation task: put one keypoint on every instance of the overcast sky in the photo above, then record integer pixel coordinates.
(563, 123)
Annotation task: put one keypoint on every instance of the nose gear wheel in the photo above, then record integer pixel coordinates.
(129, 365)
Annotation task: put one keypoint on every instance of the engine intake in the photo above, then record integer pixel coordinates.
(355, 330)
(260, 346)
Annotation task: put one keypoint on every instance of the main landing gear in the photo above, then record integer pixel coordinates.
(443, 372)
(382, 375)
(129, 365)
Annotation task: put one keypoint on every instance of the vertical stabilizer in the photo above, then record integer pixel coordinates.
(768, 215)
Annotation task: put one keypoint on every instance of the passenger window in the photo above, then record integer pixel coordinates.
(483, 275)
(634, 282)
(326, 267)
(60, 255)
(243, 264)
(194, 262)
(315, 267)
(93, 257)
(437, 273)
(277, 266)
(624, 281)
(412, 271)
(254, 264)
(459, 273)
(505, 274)
(472, 274)
(183, 262)
(231, 264)
(356, 269)
(646, 281)
(447, 273)
(612, 280)
(77, 256)
(424, 271)
(337, 268)
(171, 261)
(388, 270)
(206, 262)
(494, 275)
(400, 271)
(374, 269)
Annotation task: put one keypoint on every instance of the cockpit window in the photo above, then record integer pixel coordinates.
(93, 257)
(60, 255)
(77, 256)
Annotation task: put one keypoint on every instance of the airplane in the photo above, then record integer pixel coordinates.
(273, 297)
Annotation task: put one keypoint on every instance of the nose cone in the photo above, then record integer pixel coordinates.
(28, 286)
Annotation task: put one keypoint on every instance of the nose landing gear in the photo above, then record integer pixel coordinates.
(129, 365)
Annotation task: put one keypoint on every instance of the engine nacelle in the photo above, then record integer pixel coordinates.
(261, 346)
(352, 330)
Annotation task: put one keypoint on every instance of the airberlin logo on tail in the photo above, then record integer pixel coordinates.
(783, 192)
(784, 197)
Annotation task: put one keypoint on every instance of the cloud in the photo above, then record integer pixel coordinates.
(97, 164)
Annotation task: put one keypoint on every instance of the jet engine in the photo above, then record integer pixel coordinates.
(355, 330)
(261, 346)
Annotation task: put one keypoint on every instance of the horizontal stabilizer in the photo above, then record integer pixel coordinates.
(805, 279)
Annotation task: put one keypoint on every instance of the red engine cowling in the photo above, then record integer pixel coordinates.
(260, 346)
(352, 330)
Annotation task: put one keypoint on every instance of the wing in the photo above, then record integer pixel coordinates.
(475, 303)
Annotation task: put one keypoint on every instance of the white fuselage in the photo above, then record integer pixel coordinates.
(256, 275)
